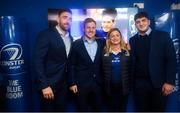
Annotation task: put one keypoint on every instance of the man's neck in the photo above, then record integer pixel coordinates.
(63, 32)
(89, 39)
(147, 32)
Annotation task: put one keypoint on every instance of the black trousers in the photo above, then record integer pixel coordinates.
(147, 98)
(117, 102)
(59, 101)
(89, 97)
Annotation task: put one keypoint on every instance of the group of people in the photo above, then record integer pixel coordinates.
(102, 71)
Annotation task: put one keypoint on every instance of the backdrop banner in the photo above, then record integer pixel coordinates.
(13, 64)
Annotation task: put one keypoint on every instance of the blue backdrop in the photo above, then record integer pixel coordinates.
(169, 21)
(14, 64)
(35, 14)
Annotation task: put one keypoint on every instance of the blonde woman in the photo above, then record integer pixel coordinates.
(116, 70)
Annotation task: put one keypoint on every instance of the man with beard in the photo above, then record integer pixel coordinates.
(51, 56)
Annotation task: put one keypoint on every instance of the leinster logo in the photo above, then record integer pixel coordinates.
(10, 56)
(11, 51)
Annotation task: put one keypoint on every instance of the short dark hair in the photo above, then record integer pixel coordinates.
(111, 12)
(140, 15)
(88, 20)
(60, 11)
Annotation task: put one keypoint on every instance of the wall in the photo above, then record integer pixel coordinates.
(35, 13)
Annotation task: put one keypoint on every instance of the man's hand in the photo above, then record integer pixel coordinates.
(48, 93)
(74, 88)
(167, 89)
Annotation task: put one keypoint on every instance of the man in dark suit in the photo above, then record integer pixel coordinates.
(84, 68)
(154, 65)
(51, 55)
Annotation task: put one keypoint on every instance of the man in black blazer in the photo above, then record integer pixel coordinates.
(51, 56)
(154, 65)
(84, 68)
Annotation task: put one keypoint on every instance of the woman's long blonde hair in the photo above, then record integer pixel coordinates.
(122, 43)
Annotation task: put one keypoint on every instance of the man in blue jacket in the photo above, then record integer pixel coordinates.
(51, 57)
(154, 65)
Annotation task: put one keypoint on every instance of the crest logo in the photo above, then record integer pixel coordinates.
(11, 52)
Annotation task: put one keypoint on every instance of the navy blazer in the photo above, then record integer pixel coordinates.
(162, 58)
(50, 58)
(82, 69)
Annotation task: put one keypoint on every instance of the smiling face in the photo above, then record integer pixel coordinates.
(115, 37)
(142, 24)
(107, 23)
(90, 30)
(65, 20)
